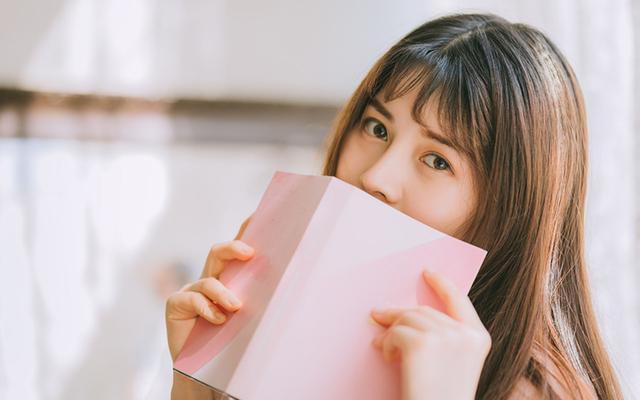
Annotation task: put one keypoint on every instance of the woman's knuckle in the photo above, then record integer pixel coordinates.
(242, 248)
(431, 337)
(192, 298)
(170, 301)
(487, 341)
(213, 250)
(213, 289)
(398, 331)
(219, 247)
(401, 320)
(424, 309)
(218, 316)
(202, 308)
(176, 298)
(412, 314)
(237, 246)
(477, 338)
(210, 282)
(207, 282)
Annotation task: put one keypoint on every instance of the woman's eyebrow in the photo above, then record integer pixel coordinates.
(438, 137)
(426, 131)
(381, 109)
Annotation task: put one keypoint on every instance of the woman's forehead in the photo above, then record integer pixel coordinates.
(427, 115)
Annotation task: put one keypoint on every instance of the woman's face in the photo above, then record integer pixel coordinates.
(395, 159)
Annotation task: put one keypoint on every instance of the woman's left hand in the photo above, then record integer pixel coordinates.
(441, 354)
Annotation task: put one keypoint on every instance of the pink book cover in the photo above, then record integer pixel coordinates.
(326, 254)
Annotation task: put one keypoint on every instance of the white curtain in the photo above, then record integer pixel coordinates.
(608, 69)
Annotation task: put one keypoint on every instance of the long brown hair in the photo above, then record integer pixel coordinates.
(512, 105)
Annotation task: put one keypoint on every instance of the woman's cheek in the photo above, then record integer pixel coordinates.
(354, 160)
(439, 207)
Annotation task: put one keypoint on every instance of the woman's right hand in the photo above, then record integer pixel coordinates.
(206, 297)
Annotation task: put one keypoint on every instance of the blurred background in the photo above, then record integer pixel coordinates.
(135, 134)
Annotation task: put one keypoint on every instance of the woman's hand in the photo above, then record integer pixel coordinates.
(441, 354)
(207, 297)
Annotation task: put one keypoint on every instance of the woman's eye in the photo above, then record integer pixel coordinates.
(438, 162)
(375, 128)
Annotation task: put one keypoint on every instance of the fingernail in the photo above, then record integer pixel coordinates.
(245, 248)
(219, 316)
(233, 300)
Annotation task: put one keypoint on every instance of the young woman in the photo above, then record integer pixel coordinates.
(475, 126)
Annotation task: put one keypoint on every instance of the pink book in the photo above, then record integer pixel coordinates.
(326, 254)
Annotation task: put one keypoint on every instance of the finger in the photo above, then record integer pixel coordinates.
(244, 226)
(390, 316)
(231, 250)
(387, 316)
(396, 341)
(409, 317)
(457, 304)
(226, 251)
(421, 318)
(188, 305)
(216, 292)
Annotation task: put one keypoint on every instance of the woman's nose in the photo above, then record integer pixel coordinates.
(383, 179)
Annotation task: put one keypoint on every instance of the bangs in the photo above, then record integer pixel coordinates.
(443, 83)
